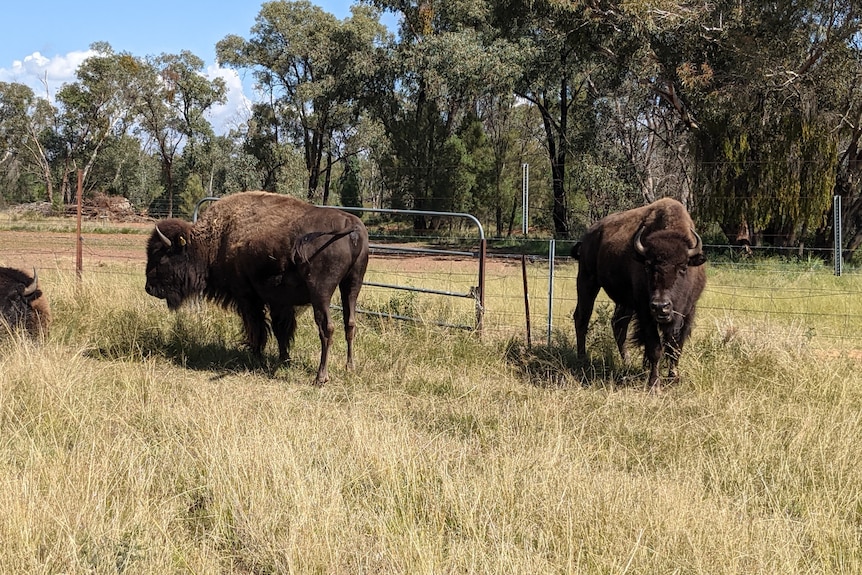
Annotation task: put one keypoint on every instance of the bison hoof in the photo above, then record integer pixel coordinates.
(321, 381)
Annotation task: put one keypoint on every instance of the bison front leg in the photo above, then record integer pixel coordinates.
(672, 351)
(284, 327)
(620, 325)
(652, 352)
(254, 321)
(673, 342)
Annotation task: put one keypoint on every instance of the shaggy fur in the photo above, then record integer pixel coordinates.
(658, 288)
(22, 310)
(256, 252)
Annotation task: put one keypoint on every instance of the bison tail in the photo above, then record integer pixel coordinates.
(299, 253)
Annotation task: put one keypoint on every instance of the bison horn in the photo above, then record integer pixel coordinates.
(638, 244)
(698, 246)
(163, 237)
(34, 285)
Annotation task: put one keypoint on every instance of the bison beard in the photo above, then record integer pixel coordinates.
(258, 251)
(22, 303)
(649, 261)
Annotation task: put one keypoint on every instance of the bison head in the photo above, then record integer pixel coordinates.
(667, 256)
(171, 271)
(22, 303)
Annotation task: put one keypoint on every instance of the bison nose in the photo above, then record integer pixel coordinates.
(660, 308)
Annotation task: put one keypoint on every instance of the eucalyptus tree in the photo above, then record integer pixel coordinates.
(173, 97)
(497, 114)
(28, 138)
(212, 158)
(310, 66)
(766, 91)
(125, 168)
(573, 53)
(840, 88)
(445, 59)
(99, 105)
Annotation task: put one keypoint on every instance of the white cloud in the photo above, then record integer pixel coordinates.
(39, 72)
(237, 108)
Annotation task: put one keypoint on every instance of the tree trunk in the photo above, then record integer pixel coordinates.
(512, 217)
(327, 181)
(557, 157)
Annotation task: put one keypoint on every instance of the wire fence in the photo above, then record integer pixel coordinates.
(794, 299)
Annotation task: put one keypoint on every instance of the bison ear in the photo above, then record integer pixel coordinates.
(697, 259)
(182, 240)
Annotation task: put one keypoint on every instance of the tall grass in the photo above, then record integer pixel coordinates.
(135, 441)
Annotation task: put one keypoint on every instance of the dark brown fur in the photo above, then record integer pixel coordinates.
(22, 303)
(659, 288)
(257, 251)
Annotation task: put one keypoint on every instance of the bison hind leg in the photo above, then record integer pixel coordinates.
(588, 289)
(325, 329)
(349, 293)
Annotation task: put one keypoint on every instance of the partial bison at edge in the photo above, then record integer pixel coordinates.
(259, 251)
(23, 305)
(649, 261)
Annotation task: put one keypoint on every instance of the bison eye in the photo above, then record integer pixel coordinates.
(682, 270)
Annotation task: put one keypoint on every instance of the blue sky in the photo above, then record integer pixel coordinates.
(50, 38)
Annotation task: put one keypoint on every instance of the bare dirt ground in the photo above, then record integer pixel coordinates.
(27, 249)
(23, 245)
(31, 236)
(58, 250)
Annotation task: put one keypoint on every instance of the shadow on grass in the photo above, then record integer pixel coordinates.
(558, 366)
(196, 349)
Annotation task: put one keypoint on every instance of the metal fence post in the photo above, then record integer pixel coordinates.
(79, 239)
(525, 198)
(551, 255)
(836, 228)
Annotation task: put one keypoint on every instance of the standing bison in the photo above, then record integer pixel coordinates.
(23, 305)
(649, 261)
(254, 251)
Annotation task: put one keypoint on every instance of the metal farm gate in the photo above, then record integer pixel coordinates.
(475, 293)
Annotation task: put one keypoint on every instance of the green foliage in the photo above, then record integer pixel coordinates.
(768, 144)
(309, 63)
(189, 197)
(349, 186)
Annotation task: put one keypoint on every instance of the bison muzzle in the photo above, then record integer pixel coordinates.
(649, 261)
(259, 252)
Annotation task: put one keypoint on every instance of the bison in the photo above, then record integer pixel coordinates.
(649, 260)
(23, 305)
(258, 251)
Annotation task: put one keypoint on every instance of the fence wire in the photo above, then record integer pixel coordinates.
(797, 299)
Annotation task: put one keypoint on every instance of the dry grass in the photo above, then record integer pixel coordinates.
(133, 441)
